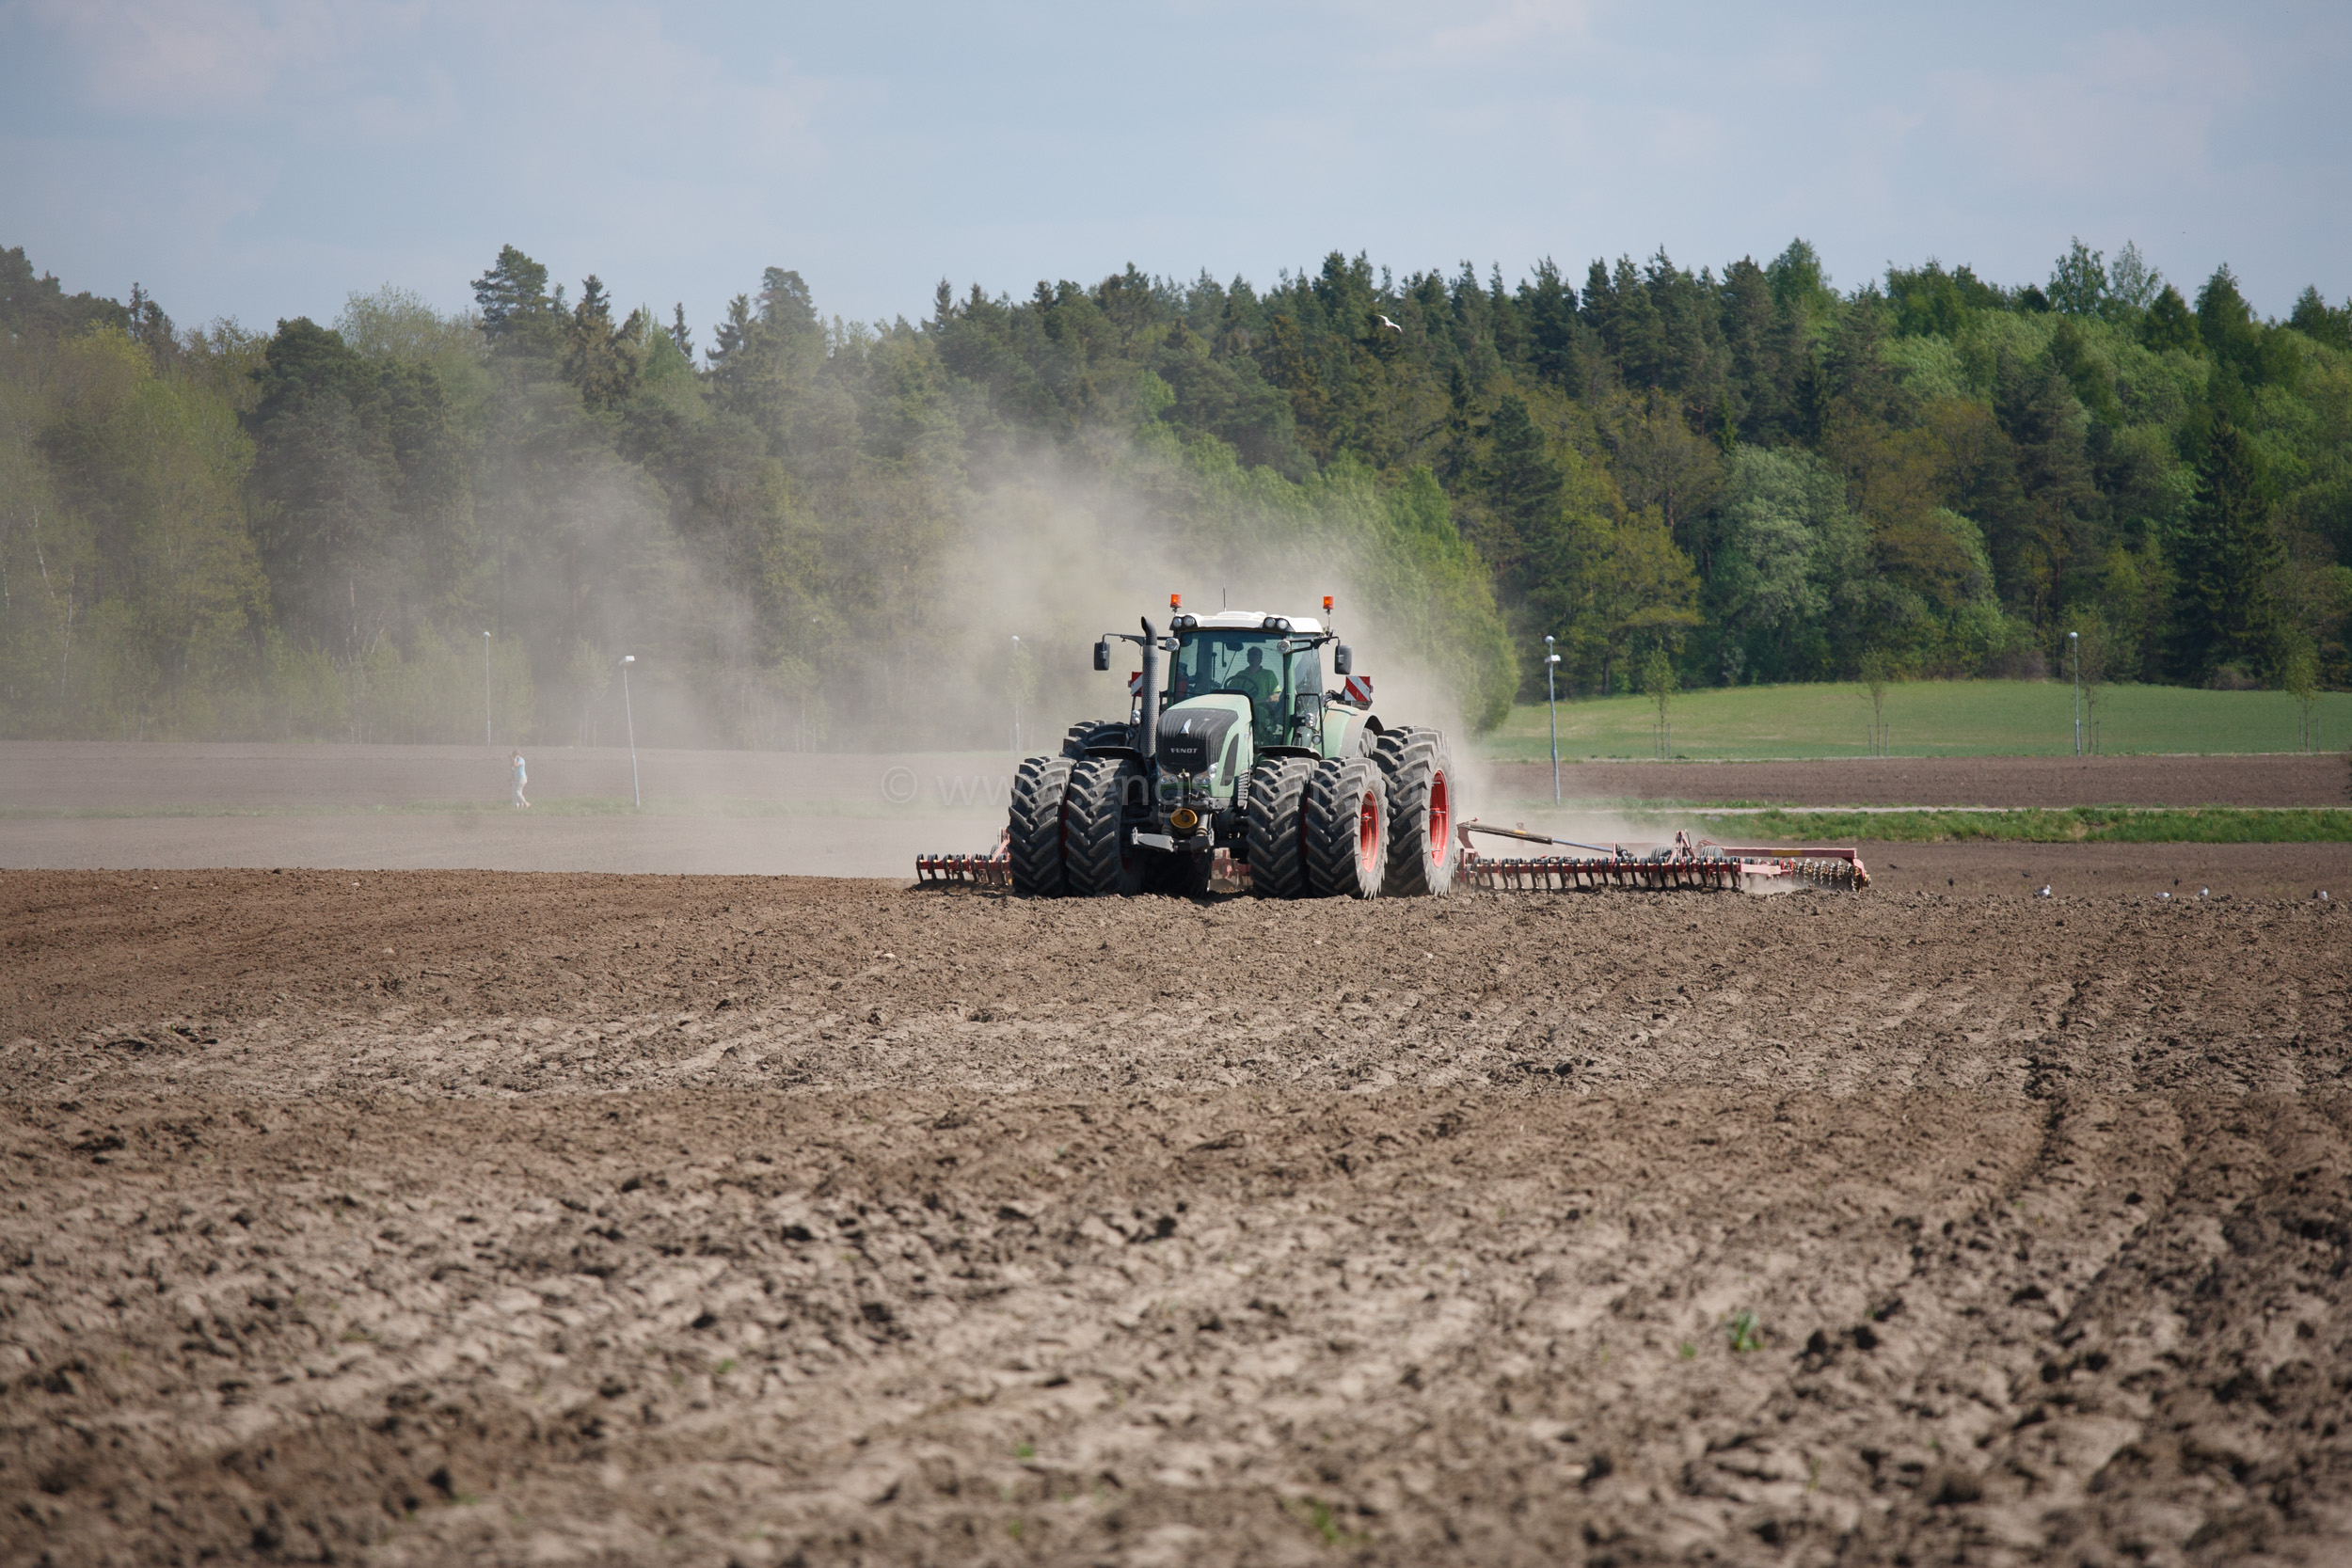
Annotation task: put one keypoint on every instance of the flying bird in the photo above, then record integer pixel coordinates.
(1385, 322)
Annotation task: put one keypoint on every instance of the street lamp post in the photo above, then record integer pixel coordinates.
(2074, 646)
(485, 688)
(636, 797)
(799, 736)
(1551, 703)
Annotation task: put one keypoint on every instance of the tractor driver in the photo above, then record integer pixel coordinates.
(1256, 682)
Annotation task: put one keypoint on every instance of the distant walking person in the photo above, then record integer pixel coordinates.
(521, 778)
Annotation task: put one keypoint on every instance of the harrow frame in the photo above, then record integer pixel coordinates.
(1686, 864)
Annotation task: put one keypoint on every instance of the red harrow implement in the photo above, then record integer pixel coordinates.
(993, 869)
(1684, 863)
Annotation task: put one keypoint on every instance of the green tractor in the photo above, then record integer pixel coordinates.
(1231, 744)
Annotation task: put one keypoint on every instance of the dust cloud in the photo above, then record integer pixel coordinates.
(1057, 557)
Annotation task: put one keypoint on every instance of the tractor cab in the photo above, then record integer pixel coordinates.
(1273, 662)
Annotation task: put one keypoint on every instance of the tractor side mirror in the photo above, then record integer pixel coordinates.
(1343, 660)
(1102, 654)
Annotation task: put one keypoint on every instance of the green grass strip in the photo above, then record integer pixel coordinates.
(1924, 718)
(2078, 825)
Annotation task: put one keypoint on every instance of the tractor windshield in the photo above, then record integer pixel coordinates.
(1250, 663)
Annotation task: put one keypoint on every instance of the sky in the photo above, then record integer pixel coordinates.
(260, 160)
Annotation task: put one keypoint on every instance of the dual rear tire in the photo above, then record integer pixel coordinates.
(1098, 860)
(1070, 819)
(1038, 824)
(1357, 826)
(1424, 850)
(1346, 829)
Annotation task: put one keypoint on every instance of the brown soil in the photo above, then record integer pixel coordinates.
(443, 1216)
(2288, 871)
(2274, 780)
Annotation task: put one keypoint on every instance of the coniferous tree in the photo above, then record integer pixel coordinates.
(1548, 306)
(604, 360)
(2224, 320)
(2038, 546)
(1521, 485)
(38, 306)
(518, 314)
(2224, 611)
(2168, 324)
(2315, 318)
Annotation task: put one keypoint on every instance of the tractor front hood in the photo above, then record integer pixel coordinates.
(1198, 736)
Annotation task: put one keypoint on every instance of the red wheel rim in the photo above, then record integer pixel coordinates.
(1368, 830)
(1441, 818)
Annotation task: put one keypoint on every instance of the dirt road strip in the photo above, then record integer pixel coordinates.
(2272, 778)
(711, 1220)
(655, 846)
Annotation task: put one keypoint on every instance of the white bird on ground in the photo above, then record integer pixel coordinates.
(2044, 892)
(1385, 322)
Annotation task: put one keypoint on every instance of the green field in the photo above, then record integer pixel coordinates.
(2079, 824)
(1924, 718)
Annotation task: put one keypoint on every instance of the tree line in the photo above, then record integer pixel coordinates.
(816, 532)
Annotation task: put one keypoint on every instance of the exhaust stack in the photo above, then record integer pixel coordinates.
(1149, 742)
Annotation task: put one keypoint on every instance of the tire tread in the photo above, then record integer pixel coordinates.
(1334, 797)
(1091, 854)
(1276, 827)
(1410, 757)
(1036, 846)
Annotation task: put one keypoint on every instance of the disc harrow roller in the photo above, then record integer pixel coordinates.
(1684, 864)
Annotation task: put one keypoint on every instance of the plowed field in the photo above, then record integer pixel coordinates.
(443, 1216)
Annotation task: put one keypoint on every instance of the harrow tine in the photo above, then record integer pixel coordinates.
(1684, 864)
(992, 869)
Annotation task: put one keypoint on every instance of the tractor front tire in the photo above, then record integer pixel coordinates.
(1276, 827)
(1348, 829)
(1037, 827)
(1424, 850)
(1097, 856)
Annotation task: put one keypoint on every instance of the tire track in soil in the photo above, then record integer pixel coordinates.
(1251, 1256)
